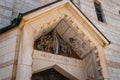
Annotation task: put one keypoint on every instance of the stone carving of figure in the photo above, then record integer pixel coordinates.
(48, 43)
(55, 42)
(52, 42)
(44, 43)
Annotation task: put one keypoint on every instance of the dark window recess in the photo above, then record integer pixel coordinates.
(99, 11)
(50, 74)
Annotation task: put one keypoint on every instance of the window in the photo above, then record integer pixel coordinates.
(99, 11)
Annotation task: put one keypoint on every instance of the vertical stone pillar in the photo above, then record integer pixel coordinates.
(103, 62)
(25, 58)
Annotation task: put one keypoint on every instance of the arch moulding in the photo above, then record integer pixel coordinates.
(36, 23)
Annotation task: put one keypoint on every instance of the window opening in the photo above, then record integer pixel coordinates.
(99, 11)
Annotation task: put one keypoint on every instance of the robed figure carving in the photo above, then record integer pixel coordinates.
(56, 42)
(52, 42)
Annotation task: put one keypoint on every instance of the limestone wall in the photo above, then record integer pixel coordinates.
(6, 8)
(7, 54)
(111, 29)
(9, 9)
(22, 6)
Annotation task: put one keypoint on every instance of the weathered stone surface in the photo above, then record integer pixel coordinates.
(5, 12)
(9, 9)
(44, 60)
(6, 72)
(7, 54)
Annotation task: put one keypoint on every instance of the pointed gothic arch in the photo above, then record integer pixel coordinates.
(38, 22)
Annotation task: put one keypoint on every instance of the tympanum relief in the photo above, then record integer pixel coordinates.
(63, 40)
(52, 42)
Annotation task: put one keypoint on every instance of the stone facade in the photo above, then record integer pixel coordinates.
(110, 29)
(9, 9)
(6, 9)
(7, 54)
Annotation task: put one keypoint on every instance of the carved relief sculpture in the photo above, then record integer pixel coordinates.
(52, 42)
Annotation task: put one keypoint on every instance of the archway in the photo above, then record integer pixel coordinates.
(63, 40)
(49, 74)
(44, 20)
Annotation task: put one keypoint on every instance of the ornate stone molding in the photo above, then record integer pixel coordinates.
(33, 23)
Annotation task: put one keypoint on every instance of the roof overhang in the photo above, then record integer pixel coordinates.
(65, 9)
